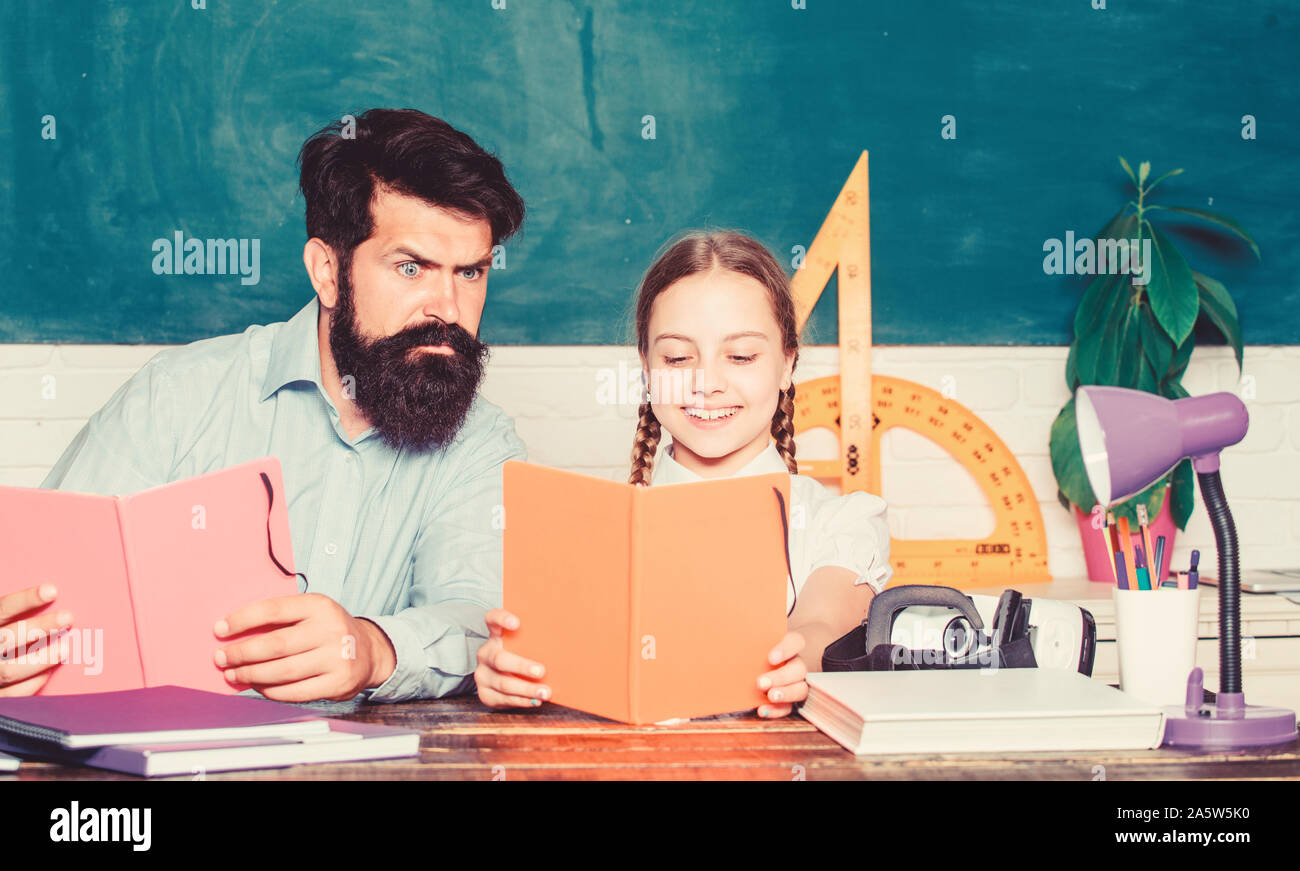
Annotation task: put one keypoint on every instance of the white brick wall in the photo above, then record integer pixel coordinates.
(48, 391)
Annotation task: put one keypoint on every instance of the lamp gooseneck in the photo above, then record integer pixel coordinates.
(1225, 539)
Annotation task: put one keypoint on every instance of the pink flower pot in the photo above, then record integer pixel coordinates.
(1096, 545)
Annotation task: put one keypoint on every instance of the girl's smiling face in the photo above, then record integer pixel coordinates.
(716, 367)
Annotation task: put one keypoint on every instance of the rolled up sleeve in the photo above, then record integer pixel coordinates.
(852, 531)
(457, 574)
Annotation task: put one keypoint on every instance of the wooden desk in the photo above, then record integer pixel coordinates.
(463, 740)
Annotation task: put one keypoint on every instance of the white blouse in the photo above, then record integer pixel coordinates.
(825, 530)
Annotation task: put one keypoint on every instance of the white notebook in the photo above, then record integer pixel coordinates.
(978, 711)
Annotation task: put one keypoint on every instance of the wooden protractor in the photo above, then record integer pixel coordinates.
(1016, 552)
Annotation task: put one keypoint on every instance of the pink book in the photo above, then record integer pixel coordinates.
(147, 575)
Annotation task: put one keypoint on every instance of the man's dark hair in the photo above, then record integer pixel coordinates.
(408, 152)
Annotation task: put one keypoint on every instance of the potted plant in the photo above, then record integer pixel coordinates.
(1133, 328)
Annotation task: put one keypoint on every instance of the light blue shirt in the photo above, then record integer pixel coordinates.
(410, 540)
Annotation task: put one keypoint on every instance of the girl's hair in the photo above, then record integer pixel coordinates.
(700, 252)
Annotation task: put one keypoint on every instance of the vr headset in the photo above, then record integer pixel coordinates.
(918, 626)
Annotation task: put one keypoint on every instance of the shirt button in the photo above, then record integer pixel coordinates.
(331, 548)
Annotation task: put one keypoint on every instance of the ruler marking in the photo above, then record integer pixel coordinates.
(850, 401)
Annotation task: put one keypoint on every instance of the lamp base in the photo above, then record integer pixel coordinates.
(1227, 723)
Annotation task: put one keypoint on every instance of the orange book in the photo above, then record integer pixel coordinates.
(147, 575)
(646, 603)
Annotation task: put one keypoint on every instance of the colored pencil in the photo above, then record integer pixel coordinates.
(1145, 527)
(1108, 535)
(1123, 573)
(1126, 546)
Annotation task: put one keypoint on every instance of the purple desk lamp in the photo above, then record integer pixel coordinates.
(1131, 438)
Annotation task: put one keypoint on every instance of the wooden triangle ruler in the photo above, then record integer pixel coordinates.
(862, 409)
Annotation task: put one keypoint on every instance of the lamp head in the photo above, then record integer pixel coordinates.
(1130, 438)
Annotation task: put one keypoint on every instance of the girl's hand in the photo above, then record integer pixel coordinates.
(505, 679)
(785, 684)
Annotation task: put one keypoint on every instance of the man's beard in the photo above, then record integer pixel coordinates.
(413, 398)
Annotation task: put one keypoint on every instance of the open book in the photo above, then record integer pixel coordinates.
(646, 603)
(147, 575)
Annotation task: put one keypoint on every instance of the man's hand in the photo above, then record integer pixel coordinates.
(311, 649)
(18, 677)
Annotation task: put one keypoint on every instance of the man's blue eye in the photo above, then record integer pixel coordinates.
(471, 272)
(410, 268)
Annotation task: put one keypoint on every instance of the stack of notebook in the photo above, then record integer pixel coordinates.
(974, 711)
(168, 730)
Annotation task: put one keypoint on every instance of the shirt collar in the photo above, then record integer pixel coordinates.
(668, 471)
(295, 352)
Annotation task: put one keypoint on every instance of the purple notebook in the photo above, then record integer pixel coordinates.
(346, 741)
(154, 715)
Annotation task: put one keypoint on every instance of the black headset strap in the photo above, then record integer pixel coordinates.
(848, 652)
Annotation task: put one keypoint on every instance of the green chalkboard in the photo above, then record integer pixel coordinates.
(169, 119)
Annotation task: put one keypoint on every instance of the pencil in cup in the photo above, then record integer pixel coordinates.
(1144, 525)
(1108, 541)
(1126, 548)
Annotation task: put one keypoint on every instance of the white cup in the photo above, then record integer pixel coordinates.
(1156, 633)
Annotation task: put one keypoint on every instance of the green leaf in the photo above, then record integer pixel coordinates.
(1071, 369)
(1122, 227)
(1067, 460)
(1171, 172)
(1119, 340)
(1218, 306)
(1172, 288)
(1182, 494)
(1096, 302)
(1144, 170)
(1152, 497)
(1129, 170)
(1182, 354)
(1092, 341)
(1156, 344)
(1129, 341)
(1215, 218)
(1147, 378)
(1113, 225)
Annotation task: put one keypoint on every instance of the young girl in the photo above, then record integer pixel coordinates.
(716, 332)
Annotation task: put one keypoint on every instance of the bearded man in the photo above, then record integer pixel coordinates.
(368, 397)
